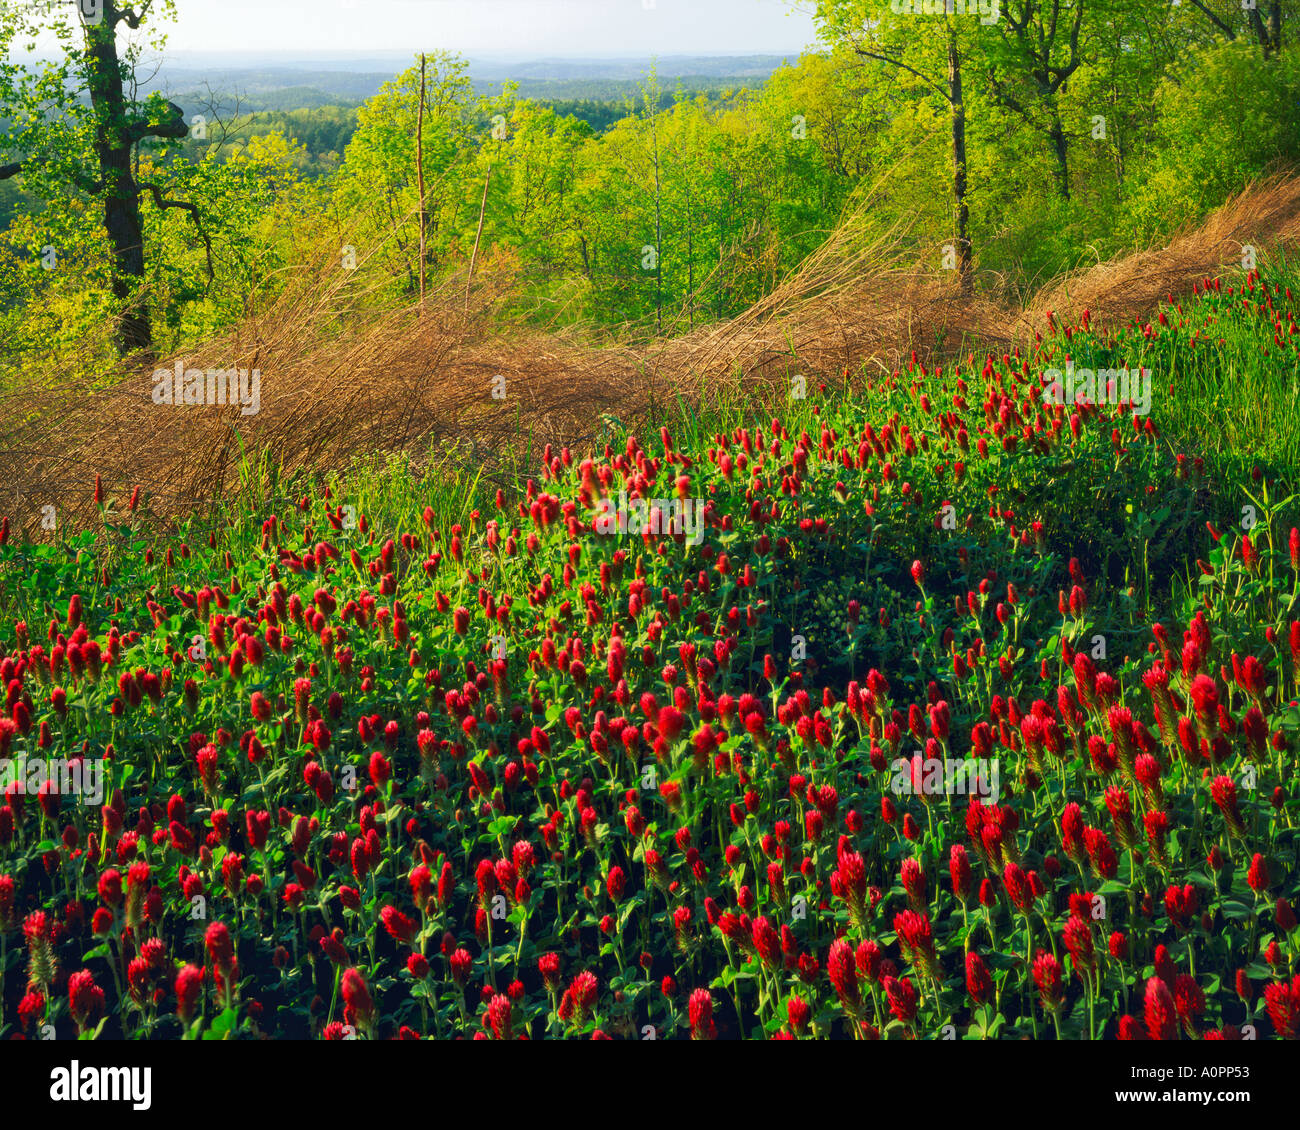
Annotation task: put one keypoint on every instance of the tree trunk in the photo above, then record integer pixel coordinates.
(1061, 149)
(690, 253)
(478, 236)
(964, 259)
(122, 221)
(659, 241)
(1269, 34)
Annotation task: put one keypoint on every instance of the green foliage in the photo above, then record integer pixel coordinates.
(1223, 117)
(681, 206)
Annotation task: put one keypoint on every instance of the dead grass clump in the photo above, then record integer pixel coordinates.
(344, 374)
(1265, 216)
(343, 377)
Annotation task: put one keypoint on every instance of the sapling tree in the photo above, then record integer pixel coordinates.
(933, 51)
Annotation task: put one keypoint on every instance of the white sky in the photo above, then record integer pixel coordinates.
(513, 27)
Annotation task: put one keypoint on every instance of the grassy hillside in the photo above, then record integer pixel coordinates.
(432, 760)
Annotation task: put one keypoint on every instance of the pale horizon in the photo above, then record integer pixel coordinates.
(514, 28)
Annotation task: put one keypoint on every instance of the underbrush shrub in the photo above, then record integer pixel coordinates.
(1224, 118)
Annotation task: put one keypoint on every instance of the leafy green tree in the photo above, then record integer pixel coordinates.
(531, 205)
(75, 129)
(1209, 146)
(377, 192)
(1039, 51)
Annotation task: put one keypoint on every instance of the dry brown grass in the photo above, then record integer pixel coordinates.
(1266, 216)
(343, 377)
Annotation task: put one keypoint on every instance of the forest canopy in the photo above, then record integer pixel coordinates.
(1061, 134)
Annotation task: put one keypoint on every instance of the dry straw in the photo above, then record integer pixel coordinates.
(344, 374)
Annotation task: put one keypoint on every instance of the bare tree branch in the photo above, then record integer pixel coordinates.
(163, 203)
(1224, 27)
(175, 126)
(227, 125)
(899, 63)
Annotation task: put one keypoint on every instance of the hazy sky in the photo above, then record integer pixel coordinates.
(528, 27)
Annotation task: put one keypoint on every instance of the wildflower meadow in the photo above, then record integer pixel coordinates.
(371, 773)
(701, 522)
